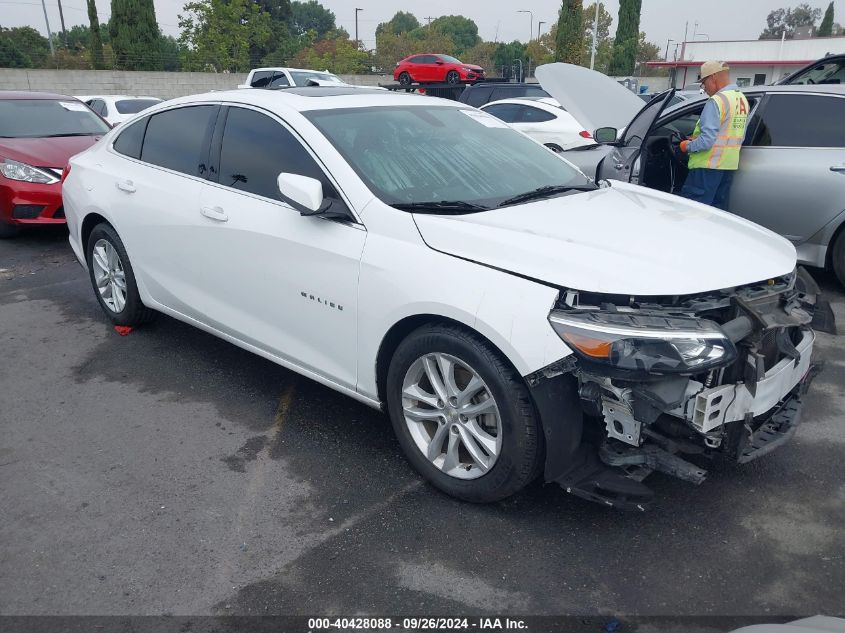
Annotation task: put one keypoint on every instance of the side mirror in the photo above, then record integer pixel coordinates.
(605, 135)
(303, 193)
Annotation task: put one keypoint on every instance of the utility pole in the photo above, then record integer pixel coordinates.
(356, 25)
(595, 37)
(539, 26)
(531, 24)
(62, 19)
(666, 56)
(49, 33)
(429, 19)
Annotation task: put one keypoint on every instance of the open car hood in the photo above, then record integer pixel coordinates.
(622, 239)
(592, 98)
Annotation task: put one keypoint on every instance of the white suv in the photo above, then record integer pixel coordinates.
(511, 316)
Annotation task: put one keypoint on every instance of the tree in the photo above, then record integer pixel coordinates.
(627, 39)
(29, 44)
(170, 53)
(217, 34)
(506, 56)
(134, 34)
(10, 55)
(462, 31)
(482, 55)
(542, 50)
(782, 21)
(569, 44)
(95, 40)
(401, 22)
(604, 43)
(646, 52)
(311, 16)
(279, 10)
(826, 27)
(336, 53)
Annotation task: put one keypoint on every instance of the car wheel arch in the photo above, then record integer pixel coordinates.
(92, 220)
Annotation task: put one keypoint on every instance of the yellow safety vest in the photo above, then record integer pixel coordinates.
(733, 116)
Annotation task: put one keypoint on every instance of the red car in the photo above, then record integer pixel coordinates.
(433, 68)
(39, 132)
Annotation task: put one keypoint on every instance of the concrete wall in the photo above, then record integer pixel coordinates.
(155, 84)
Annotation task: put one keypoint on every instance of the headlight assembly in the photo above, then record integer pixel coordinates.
(15, 170)
(651, 344)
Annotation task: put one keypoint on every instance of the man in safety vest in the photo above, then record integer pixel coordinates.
(716, 142)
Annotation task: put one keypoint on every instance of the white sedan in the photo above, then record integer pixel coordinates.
(118, 108)
(511, 316)
(543, 119)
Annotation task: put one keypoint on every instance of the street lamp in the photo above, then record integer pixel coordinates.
(356, 25)
(531, 26)
(539, 26)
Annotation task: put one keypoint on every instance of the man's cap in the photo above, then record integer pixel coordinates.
(711, 68)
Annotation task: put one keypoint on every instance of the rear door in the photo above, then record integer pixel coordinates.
(620, 163)
(791, 176)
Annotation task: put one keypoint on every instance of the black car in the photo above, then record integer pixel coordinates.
(477, 95)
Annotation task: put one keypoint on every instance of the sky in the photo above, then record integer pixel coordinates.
(662, 20)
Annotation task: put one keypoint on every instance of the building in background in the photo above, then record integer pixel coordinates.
(752, 62)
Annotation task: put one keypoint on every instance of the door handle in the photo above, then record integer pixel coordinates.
(840, 169)
(126, 185)
(215, 213)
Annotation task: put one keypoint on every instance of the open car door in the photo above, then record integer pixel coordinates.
(622, 163)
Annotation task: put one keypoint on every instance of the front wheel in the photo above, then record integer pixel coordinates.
(452, 77)
(557, 149)
(837, 257)
(463, 415)
(113, 278)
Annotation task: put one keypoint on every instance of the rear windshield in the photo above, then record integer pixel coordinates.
(39, 118)
(131, 106)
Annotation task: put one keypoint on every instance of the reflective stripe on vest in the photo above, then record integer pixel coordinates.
(733, 116)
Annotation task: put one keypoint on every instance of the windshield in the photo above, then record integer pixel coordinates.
(426, 154)
(449, 59)
(131, 106)
(300, 77)
(34, 118)
(825, 73)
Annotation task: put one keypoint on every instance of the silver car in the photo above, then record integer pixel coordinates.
(791, 177)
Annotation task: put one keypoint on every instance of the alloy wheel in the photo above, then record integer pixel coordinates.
(109, 275)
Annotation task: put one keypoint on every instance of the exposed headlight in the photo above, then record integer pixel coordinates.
(468, 70)
(14, 170)
(653, 344)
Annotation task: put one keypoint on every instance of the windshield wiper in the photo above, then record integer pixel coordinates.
(71, 134)
(457, 206)
(545, 192)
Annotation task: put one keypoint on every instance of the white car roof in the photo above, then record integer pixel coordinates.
(300, 70)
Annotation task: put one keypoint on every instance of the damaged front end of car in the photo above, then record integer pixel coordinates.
(665, 383)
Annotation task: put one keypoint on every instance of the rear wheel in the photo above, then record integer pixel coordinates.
(404, 79)
(113, 279)
(7, 230)
(453, 77)
(837, 257)
(463, 415)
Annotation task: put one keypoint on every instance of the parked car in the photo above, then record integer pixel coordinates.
(435, 68)
(788, 162)
(39, 132)
(280, 77)
(118, 108)
(828, 70)
(477, 95)
(543, 119)
(424, 258)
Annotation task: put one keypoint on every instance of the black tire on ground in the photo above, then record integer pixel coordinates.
(837, 257)
(8, 230)
(557, 149)
(522, 453)
(404, 79)
(134, 312)
(453, 77)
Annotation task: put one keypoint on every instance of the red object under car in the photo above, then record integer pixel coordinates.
(39, 132)
(435, 68)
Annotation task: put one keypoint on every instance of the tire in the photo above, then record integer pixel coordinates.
(452, 77)
(8, 231)
(404, 79)
(517, 457)
(130, 311)
(557, 149)
(837, 257)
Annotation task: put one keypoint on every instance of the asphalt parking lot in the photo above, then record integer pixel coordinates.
(169, 472)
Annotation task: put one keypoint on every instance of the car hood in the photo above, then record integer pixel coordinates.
(45, 152)
(622, 239)
(592, 98)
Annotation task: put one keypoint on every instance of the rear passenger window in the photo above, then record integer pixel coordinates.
(801, 121)
(261, 78)
(536, 115)
(175, 139)
(129, 141)
(507, 112)
(256, 149)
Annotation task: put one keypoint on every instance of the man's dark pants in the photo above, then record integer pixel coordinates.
(709, 186)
